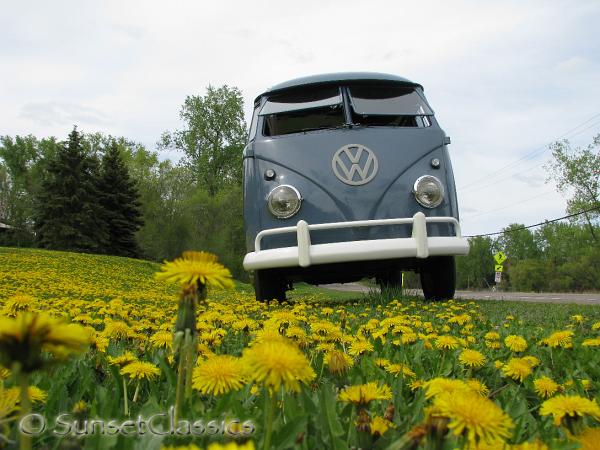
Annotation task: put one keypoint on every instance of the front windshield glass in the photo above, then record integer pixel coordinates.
(306, 110)
(299, 100)
(388, 101)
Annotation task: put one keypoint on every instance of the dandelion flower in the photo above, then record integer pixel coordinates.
(517, 369)
(471, 358)
(278, 362)
(140, 370)
(562, 339)
(475, 417)
(8, 402)
(338, 362)
(400, 369)
(545, 386)
(231, 446)
(360, 346)
(23, 338)
(593, 342)
(379, 426)
(162, 339)
(194, 267)
(574, 406)
(478, 386)
(437, 386)
(219, 375)
(515, 343)
(446, 342)
(588, 439)
(363, 394)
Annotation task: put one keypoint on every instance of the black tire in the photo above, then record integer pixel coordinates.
(269, 286)
(438, 278)
(392, 279)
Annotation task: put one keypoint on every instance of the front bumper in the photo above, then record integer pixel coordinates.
(419, 245)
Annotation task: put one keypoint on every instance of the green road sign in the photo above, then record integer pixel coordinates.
(498, 268)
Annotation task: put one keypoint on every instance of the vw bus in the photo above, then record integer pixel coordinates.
(348, 176)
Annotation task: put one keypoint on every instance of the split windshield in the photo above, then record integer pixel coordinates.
(320, 108)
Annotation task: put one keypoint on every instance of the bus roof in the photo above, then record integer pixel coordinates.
(337, 77)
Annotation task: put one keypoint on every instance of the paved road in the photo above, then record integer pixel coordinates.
(582, 299)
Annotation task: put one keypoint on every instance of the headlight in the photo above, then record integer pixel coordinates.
(428, 191)
(284, 201)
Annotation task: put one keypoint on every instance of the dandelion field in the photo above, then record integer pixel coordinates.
(324, 371)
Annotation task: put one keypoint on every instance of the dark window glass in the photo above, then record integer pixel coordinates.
(306, 110)
(388, 106)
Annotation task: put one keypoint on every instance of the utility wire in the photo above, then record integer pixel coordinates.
(512, 230)
(534, 153)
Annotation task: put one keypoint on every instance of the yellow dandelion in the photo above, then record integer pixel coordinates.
(23, 339)
(517, 369)
(18, 303)
(360, 346)
(478, 386)
(4, 373)
(381, 362)
(219, 375)
(515, 343)
(231, 446)
(545, 386)
(577, 318)
(491, 336)
(416, 384)
(596, 326)
(562, 339)
(475, 417)
(446, 342)
(338, 362)
(400, 369)
(194, 267)
(589, 439)
(535, 445)
(562, 406)
(493, 344)
(278, 362)
(593, 342)
(363, 394)
(471, 358)
(437, 386)
(162, 339)
(379, 426)
(123, 360)
(8, 402)
(140, 370)
(117, 330)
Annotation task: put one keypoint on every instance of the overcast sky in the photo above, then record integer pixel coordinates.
(504, 78)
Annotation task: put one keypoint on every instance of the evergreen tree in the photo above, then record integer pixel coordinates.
(119, 197)
(68, 215)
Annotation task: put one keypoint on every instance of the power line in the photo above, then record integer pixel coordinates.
(493, 180)
(537, 150)
(512, 230)
(509, 206)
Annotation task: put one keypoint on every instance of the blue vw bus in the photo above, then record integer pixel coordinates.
(348, 176)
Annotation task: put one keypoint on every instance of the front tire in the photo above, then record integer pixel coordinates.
(268, 285)
(438, 278)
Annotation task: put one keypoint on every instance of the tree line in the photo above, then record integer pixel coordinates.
(103, 194)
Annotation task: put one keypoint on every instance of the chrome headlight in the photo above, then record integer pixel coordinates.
(428, 191)
(284, 201)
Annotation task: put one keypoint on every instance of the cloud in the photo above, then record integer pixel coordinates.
(62, 113)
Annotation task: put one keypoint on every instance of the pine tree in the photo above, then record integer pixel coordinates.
(119, 197)
(68, 215)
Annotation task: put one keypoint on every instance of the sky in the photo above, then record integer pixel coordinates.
(505, 79)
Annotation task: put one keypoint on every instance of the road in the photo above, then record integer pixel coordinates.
(534, 297)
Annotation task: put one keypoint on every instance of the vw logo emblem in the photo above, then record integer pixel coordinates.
(354, 164)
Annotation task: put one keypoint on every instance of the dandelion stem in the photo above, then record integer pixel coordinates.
(271, 401)
(125, 401)
(180, 385)
(137, 390)
(25, 440)
(189, 350)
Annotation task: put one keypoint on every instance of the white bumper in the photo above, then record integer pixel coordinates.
(419, 245)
